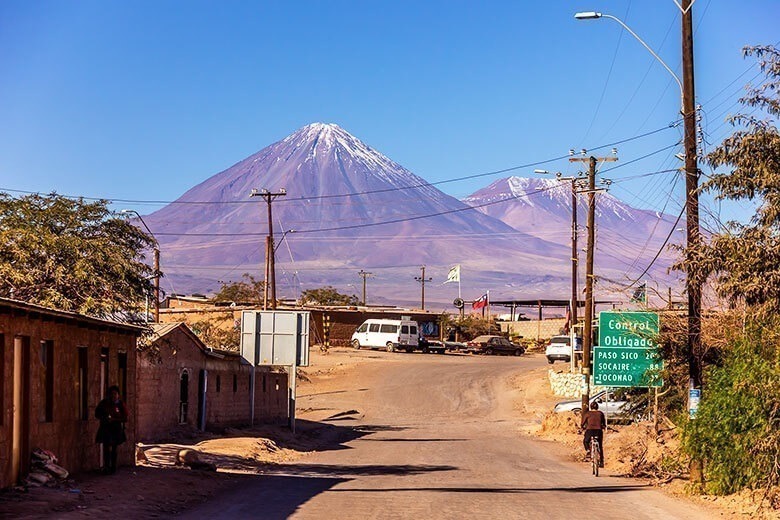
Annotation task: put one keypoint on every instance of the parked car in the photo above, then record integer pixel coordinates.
(609, 403)
(493, 345)
(455, 346)
(431, 346)
(559, 349)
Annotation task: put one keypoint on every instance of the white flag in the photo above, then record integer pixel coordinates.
(454, 274)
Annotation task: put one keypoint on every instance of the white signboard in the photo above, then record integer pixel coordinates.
(275, 338)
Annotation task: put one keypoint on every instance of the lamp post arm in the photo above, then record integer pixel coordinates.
(154, 238)
(651, 51)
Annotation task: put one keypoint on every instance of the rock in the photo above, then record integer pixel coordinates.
(140, 455)
(187, 457)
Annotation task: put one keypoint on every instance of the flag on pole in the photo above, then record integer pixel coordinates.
(640, 294)
(454, 274)
(567, 325)
(480, 302)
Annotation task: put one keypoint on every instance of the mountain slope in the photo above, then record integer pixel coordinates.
(351, 208)
(627, 238)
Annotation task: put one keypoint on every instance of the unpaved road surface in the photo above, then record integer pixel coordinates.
(436, 437)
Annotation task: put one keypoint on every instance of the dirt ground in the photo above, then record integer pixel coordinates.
(160, 487)
(632, 450)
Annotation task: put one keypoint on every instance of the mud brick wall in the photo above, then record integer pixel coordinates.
(534, 329)
(226, 407)
(160, 388)
(71, 438)
(160, 372)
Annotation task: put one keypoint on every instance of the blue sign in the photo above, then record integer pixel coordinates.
(694, 396)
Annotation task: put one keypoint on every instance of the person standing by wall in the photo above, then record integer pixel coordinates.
(112, 414)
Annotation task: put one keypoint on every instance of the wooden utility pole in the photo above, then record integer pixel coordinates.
(693, 287)
(587, 335)
(270, 268)
(156, 282)
(692, 282)
(364, 274)
(422, 279)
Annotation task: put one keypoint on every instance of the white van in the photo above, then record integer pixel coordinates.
(388, 334)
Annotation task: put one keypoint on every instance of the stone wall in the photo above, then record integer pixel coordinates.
(567, 384)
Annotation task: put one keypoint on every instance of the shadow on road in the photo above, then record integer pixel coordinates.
(334, 470)
(272, 496)
(268, 497)
(333, 392)
(510, 490)
(416, 440)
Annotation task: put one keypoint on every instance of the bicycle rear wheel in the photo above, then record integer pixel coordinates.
(594, 456)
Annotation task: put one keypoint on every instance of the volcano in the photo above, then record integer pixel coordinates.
(346, 208)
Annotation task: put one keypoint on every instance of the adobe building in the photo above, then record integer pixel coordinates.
(183, 383)
(56, 366)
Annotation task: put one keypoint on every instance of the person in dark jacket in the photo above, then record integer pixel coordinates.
(112, 414)
(594, 422)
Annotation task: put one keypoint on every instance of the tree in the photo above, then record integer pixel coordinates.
(737, 428)
(214, 333)
(72, 255)
(745, 258)
(327, 295)
(248, 290)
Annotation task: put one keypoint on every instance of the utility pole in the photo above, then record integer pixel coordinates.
(573, 303)
(692, 283)
(574, 262)
(693, 286)
(587, 335)
(364, 274)
(422, 279)
(270, 269)
(156, 282)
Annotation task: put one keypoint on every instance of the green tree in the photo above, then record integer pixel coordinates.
(737, 429)
(745, 258)
(247, 290)
(214, 333)
(327, 295)
(72, 255)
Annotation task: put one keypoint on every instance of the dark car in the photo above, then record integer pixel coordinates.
(493, 345)
(431, 346)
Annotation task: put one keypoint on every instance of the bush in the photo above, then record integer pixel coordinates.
(737, 429)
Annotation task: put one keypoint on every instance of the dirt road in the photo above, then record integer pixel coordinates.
(436, 437)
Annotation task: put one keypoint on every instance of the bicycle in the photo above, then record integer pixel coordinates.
(595, 456)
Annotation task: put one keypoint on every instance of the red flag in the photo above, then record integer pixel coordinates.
(567, 325)
(480, 302)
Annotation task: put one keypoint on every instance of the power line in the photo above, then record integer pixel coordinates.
(397, 188)
(405, 219)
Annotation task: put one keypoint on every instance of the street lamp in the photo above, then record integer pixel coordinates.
(592, 15)
(156, 263)
(282, 239)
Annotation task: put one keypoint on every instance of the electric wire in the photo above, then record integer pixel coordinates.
(397, 188)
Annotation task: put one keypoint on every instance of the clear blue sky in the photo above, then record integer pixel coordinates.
(142, 100)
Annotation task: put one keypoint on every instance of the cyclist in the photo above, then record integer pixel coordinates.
(594, 422)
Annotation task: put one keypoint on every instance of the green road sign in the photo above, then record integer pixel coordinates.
(627, 354)
(626, 366)
(628, 329)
